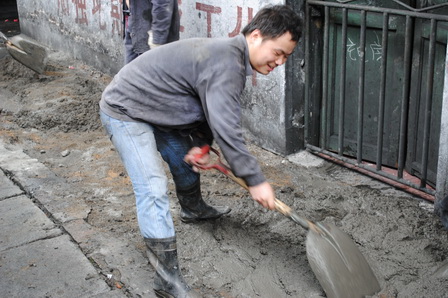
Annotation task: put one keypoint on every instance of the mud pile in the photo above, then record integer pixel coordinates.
(251, 252)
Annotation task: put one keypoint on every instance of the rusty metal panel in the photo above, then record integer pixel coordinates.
(381, 97)
(372, 56)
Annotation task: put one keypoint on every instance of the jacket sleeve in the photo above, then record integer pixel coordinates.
(222, 87)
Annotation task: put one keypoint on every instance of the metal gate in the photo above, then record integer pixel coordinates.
(375, 73)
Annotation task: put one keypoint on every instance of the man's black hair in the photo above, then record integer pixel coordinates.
(274, 21)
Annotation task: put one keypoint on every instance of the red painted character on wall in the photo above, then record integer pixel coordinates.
(97, 9)
(116, 13)
(81, 15)
(63, 7)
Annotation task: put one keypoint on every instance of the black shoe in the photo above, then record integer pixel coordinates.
(208, 213)
(193, 207)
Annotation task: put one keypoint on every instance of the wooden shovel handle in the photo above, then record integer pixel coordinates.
(279, 205)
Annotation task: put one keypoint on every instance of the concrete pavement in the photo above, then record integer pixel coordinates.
(47, 248)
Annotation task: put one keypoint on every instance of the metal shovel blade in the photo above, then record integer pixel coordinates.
(27, 51)
(338, 264)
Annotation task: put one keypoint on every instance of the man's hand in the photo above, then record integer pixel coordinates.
(196, 154)
(263, 194)
(151, 44)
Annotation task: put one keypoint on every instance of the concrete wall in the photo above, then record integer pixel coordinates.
(88, 30)
(92, 32)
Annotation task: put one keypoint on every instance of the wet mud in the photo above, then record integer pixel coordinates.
(251, 252)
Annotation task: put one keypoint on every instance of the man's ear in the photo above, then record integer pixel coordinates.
(255, 35)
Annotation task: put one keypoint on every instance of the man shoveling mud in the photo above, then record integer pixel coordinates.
(176, 98)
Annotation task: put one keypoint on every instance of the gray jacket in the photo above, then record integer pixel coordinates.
(185, 84)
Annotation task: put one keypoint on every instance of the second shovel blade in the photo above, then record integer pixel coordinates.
(28, 52)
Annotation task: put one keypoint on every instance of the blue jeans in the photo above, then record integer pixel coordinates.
(138, 145)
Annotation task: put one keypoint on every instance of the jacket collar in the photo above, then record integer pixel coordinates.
(242, 39)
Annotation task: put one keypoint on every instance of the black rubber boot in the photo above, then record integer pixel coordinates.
(193, 207)
(168, 280)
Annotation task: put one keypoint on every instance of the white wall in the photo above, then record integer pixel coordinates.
(91, 31)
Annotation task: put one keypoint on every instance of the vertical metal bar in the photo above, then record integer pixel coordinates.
(307, 73)
(442, 163)
(428, 107)
(362, 67)
(382, 99)
(405, 97)
(342, 82)
(324, 120)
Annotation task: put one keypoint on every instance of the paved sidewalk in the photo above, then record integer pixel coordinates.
(43, 239)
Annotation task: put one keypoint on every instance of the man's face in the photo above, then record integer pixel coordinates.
(266, 55)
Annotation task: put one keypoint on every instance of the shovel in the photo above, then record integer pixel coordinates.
(27, 51)
(337, 263)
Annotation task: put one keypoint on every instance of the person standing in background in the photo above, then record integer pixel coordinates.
(149, 24)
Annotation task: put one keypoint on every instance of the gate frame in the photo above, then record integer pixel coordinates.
(398, 181)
